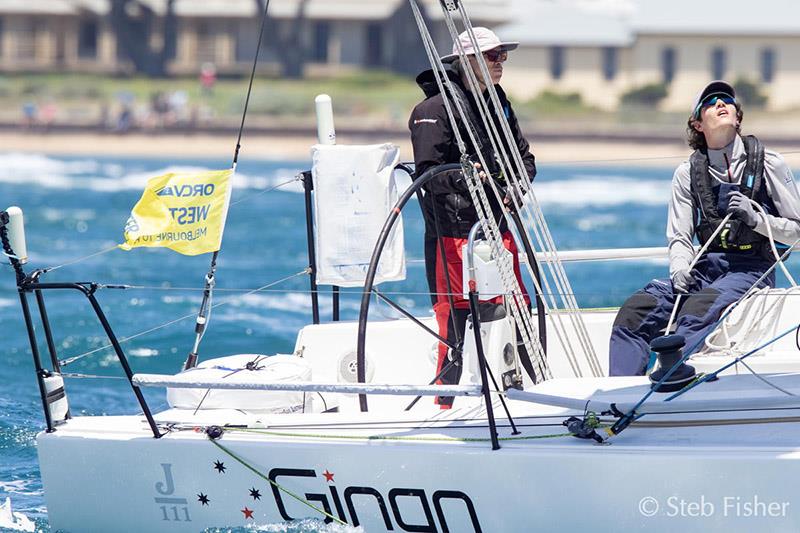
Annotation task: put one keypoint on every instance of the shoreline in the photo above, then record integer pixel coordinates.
(296, 147)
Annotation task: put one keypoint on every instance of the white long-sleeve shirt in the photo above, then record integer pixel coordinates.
(780, 186)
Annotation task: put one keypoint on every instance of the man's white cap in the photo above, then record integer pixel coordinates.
(715, 87)
(487, 40)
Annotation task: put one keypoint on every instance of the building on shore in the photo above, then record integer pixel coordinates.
(176, 37)
(603, 49)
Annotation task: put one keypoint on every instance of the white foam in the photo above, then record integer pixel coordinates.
(93, 175)
(143, 352)
(595, 222)
(602, 191)
(7, 302)
(308, 525)
(269, 323)
(293, 302)
(18, 486)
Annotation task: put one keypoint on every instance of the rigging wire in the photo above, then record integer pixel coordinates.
(765, 380)
(204, 313)
(80, 259)
(226, 301)
(112, 248)
(521, 186)
(517, 306)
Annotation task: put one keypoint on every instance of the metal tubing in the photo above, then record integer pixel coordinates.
(308, 186)
(476, 328)
(416, 185)
(335, 298)
(124, 362)
(470, 259)
(37, 360)
(415, 320)
(48, 333)
(531, 254)
(88, 290)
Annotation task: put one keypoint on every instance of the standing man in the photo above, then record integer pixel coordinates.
(447, 203)
(726, 174)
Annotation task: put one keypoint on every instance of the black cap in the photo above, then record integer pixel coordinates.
(715, 87)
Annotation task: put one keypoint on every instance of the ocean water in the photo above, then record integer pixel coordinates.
(76, 207)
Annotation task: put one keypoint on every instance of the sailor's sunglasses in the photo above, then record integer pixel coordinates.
(496, 55)
(712, 99)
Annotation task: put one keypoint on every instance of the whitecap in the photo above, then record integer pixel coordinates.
(143, 352)
(293, 302)
(595, 222)
(18, 486)
(43, 171)
(603, 191)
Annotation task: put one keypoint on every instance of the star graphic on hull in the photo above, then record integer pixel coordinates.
(255, 493)
(328, 475)
(203, 498)
(219, 466)
(248, 513)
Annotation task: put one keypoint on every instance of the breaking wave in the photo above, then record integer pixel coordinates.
(603, 191)
(106, 177)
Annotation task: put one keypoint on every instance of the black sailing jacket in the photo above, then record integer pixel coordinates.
(434, 144)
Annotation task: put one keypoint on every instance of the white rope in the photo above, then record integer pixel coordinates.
(523, 187)
(543, 237)
(757, 318)
(482, 206)
(518, 307)
(772, 243)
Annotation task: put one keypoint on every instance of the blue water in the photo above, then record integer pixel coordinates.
(75, 207)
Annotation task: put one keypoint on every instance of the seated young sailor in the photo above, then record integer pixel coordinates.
(726, 174)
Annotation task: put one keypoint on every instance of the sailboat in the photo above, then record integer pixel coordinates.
(344, 428)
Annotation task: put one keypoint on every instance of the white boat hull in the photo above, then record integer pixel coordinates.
(700, 473)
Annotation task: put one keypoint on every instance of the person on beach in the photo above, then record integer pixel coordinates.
(447, 202)
(727, 174)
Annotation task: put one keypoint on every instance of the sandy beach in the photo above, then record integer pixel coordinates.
(296, 147)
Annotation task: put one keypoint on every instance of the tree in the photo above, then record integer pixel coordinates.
(749, 93)
(133, 23)
(291, 50)
(647, 95)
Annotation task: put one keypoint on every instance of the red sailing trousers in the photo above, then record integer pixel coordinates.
(453, 247)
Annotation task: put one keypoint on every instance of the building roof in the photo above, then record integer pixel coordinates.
(51, 7)
(568, 23)
(733, 17)
(487, 11)
(619, 22)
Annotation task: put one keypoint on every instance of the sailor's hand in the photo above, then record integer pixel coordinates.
(508, 201)
(741, 207)
(481, 174)
(683, 281)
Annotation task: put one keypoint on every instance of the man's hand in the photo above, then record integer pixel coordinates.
(741, 207)
(481, 174)
(683, 281)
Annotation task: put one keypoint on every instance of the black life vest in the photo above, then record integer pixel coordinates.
(736, 236)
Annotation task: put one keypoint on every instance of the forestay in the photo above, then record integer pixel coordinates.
(354, 192)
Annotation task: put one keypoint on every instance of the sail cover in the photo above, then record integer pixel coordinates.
(354, 193)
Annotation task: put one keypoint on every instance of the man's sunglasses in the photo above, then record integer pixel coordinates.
(712, 100)
(496, 55)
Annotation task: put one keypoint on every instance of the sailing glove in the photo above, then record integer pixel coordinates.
(683, 281)
(741, 207)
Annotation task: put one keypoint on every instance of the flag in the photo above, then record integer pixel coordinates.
(183, 211)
